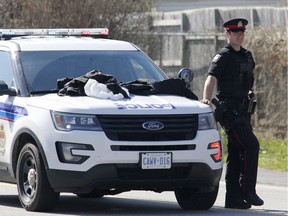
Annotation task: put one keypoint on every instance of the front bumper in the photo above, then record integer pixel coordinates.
(127, 177)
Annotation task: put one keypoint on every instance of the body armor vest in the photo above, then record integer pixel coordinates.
(242, 77)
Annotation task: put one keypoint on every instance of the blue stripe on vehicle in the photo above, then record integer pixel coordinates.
(11, 112)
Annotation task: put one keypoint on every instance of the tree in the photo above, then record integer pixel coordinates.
(125, 18)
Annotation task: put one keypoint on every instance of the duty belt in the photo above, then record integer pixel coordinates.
(240, 105)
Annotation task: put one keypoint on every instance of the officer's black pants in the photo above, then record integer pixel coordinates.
(243, 152)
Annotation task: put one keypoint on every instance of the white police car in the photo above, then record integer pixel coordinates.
(99, 143)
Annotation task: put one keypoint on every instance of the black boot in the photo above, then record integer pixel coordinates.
(253, 199)
(236, 202)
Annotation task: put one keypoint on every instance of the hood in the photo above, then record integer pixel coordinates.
(152, 104)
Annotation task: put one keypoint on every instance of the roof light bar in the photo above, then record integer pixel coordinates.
(91, 32)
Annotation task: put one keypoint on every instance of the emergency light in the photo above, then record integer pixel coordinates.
(7, 34)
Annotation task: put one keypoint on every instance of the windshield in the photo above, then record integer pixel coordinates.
(42, 69)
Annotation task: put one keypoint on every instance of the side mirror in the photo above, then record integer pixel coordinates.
(187, 75)
(4, 90)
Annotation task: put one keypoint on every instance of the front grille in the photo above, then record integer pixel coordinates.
(153, 147)
(129, 127)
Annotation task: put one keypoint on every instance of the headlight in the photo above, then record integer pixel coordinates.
(70, 121)
(206, 121)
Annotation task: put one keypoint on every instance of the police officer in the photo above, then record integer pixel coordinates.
(232, 70)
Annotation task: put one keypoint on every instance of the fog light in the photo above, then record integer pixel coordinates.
(66, 155)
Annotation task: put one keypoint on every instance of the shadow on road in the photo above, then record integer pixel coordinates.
(72, 205)
(10, 200)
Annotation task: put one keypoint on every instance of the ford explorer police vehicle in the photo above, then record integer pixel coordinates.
(81, 113)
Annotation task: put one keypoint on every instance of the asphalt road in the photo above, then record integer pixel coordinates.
(272, 187)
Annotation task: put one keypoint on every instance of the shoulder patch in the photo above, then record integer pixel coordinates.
(216, 58)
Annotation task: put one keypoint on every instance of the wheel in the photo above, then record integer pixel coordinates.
(190, 199)
(34, 190)
(92, 194)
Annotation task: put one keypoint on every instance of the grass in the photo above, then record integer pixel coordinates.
(273, 151)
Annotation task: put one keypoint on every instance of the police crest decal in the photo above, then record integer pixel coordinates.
(2, 140)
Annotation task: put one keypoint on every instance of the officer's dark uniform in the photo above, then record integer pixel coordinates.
(233, 71)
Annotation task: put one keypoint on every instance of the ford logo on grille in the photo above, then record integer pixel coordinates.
(153, 125)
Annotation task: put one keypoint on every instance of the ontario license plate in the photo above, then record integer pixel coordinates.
(156, 160)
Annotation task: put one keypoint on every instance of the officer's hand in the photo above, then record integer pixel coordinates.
(205, 101)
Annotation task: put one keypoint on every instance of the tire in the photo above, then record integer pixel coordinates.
(34, 190)
(91, 195)
(190, 199)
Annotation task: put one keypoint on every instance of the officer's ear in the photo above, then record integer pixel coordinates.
(227, 33)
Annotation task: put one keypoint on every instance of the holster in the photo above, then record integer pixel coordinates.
(252, 102)
(220, 109)
(252, 106)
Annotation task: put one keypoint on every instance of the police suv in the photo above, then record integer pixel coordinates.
(99, 142)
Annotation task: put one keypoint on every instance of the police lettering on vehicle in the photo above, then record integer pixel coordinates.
(144, 106)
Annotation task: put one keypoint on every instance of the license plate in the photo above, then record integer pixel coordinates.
(156, 160)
